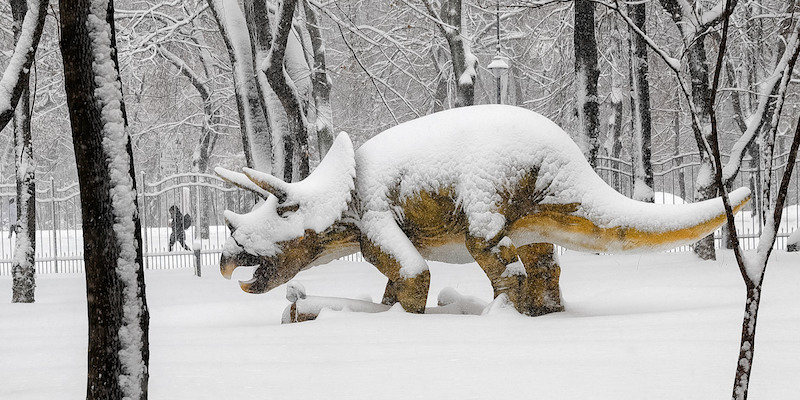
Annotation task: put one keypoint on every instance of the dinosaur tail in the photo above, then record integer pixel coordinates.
(594, 217)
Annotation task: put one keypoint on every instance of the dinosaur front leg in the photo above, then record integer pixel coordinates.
(499, 261)
(410, 291)
(542, 293)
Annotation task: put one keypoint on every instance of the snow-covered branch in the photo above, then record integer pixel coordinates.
(776, 82)
(15, 76)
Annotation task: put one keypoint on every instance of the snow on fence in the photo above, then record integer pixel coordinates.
(59, 244)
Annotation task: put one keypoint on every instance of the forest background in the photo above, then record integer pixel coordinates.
(388, 62)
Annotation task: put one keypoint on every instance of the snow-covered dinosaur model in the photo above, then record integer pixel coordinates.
(491, 183)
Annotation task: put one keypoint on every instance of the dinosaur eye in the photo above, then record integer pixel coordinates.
(285, 211)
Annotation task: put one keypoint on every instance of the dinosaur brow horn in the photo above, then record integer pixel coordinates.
(269, 183)
(241, 180)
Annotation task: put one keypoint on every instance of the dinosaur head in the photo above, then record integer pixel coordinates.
(286, 231)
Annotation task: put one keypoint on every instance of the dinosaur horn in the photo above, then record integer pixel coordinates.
(269, 183)
(241, 180)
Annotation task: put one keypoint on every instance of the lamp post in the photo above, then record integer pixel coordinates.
(499, 66)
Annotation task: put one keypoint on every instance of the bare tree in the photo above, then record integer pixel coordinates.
(753, 269)
(115, 290)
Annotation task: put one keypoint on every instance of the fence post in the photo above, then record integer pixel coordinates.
(55, 222)
(196, 243)
(198, 260)
(143, 222)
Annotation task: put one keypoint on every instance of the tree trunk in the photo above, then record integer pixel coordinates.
(586, 76)
(464, 62)
(677, 152)
(321, 86)
(278, 79)
(23, 267)
(118, 347)
(640, 108)
(705, 189)
(256, 136)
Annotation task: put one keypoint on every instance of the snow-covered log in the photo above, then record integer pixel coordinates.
(485, 183)
(308, 308)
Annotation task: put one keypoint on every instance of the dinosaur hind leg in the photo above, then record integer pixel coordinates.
(502, 266)
(542, 293)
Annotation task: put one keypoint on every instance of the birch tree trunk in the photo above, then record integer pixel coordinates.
(23, 267)
(118, 346)
(586, 76)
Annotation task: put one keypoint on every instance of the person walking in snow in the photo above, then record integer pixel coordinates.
(179, 222)
(12, 216)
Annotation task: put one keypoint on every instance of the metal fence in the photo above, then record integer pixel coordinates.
(59, 242)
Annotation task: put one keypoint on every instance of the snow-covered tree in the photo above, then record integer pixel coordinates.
(275, 137)
(23, 266)
(753, 266)
(15, 77)
(118, 348)
(449, 22)
(320, 114)
(255, 129)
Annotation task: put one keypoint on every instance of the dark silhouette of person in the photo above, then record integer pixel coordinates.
(12, 217)
(179, 223)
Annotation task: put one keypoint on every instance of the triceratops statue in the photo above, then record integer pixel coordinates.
(494, 184)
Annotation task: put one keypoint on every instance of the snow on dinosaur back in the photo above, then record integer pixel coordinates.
(424, 188)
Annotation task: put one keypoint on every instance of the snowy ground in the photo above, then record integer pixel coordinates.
(659, 326)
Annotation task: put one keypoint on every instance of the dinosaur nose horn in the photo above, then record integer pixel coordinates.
(231, 220)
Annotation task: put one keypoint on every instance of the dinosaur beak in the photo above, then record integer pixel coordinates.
(227, 265)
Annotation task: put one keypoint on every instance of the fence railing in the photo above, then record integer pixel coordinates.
(59, 240)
